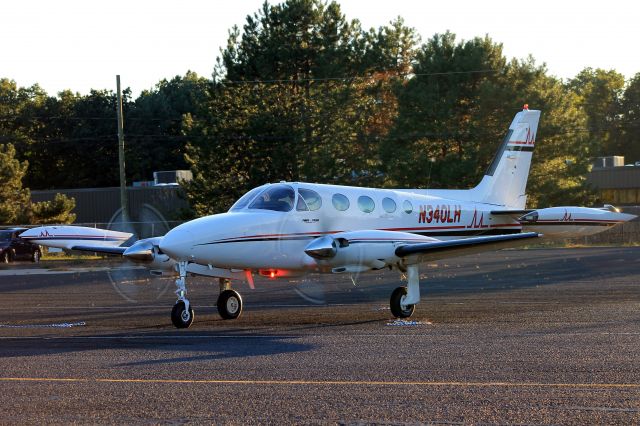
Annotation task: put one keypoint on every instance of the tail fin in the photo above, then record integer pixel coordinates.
(505, 180)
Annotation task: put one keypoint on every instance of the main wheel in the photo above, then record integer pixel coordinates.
(229, 304)
(35, 257)
(180, 317)
(397, 308)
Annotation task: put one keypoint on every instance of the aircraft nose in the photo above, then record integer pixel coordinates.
(178, 243)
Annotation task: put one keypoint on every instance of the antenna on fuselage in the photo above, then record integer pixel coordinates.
(432, 161)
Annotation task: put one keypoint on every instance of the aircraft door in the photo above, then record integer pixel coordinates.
(308, 207)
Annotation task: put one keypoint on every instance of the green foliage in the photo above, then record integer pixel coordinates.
(57, 211)
(599, 95)
(13, 198)
(630, 121)
(439, 130)
(153, 126)
(304, 123)
(15, 203)
(455, 112)
(301, 93)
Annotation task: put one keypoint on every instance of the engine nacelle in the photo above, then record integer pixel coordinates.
(359, 251)
(568, 222)
(147, 252)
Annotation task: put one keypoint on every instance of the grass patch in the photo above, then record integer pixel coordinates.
(67, 256)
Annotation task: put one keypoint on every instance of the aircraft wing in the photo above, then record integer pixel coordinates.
(357, 251)
(435, 250)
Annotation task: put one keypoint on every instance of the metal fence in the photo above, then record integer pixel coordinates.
(626, 233)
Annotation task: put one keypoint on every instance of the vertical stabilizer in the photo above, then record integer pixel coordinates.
(505, 181)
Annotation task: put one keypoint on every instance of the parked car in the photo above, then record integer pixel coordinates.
(12, 247)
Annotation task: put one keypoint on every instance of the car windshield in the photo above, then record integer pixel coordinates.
(246, 199)
(5, 236)
(277, 197)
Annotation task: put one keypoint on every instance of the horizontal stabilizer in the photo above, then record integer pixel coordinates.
(571, 221)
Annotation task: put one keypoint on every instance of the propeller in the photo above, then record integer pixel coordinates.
(315, 287)
(132, 279)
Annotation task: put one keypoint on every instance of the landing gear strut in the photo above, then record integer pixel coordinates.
(229, 302)
(182, 312)
(404, 299)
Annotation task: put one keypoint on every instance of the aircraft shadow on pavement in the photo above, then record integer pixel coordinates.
(476, 274)
(201, 346)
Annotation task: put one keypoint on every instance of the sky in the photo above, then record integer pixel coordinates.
(82, 45)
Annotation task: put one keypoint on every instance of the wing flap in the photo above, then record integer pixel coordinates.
(423, 252)
(101, 249)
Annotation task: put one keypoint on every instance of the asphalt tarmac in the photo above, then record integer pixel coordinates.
(543, 336)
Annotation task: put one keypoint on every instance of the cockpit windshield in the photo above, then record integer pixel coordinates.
(277, 197)
(246, 199)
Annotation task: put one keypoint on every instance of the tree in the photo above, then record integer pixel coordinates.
(13, 198)
(52, 133)
(599, 96)
(155, 140)
(630, 120)
(454, 113)
(301, 94)
(55, 211)
(438, 134)
(15, 204)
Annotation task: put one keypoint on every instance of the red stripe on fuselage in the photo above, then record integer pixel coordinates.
(421, 229)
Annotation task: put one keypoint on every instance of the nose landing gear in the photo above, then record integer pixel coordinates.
(229, 301)
(182, 312)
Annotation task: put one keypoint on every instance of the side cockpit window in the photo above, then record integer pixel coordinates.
(308, 200)
(246, 199)
(277, 197)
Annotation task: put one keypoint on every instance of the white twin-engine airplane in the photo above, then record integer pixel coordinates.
(287, 229)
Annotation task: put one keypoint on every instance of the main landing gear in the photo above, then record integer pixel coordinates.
(404, 299)
(229, 301)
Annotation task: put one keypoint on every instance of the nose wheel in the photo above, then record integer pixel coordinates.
(181, 316)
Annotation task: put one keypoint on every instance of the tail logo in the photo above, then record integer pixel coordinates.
(529, 139)
(477, 223)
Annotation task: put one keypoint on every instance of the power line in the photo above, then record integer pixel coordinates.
(367, 77)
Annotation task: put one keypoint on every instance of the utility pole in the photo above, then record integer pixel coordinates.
(123, 181)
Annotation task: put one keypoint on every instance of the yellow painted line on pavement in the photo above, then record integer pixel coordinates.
(324, 382)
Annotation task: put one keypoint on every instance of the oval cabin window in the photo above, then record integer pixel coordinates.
(388, 205)
(340, 202)
(366, 204)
